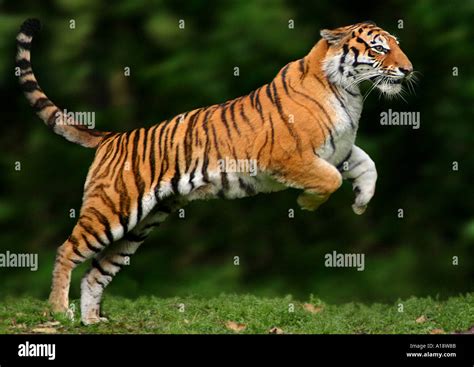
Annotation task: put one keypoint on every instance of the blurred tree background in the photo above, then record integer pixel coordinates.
(173, 70)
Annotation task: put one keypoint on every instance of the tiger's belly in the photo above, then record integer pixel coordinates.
(234, 185)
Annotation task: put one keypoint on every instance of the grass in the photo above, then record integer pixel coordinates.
(247, 314)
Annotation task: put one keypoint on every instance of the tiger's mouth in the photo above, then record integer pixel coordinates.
(388, 85)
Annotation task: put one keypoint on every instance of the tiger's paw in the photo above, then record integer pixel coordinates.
(93, 320)
(363, 197)
(57, 306)
(310, 201)
(359, 210)
(92, 316)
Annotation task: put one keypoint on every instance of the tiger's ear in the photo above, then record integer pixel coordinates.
(334, 35)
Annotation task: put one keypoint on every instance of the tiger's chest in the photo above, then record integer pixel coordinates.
(347, 110)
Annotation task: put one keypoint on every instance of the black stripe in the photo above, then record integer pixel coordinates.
(262, 147)
(139, 182)
(98, 281)
(153, 152)
(188, 137)
(164, 157)
(160, 142)
(251, 95)
(175, 127)
(177, 170)
(90, 246)
(116, 264)
(283, 77)
(249, 190)
(193, 172)
(145, 144)
(23, 64)
(23, 45)
(105, 222)
(232, 116)
(258, 104)
(92, 232)
(269, 94)
(119, 185)
(331, 139)
(96, 264)
(207, 149)
(360, 40)
(135, 237)
(30, 27)
(244, 116)
(77, 252)
(216, 145)
(272, 140)
(345, 50)
(301, 65)
(110, 204)
(29, 86)
(224, 184)
(75, 244)
(52, 118)
(356, 55)
(224, 121)
(42, 103)
(319, 81)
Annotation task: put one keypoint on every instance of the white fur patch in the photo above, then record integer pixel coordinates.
(345, 128)
(165, 189)
(23, 37)
(390, 89)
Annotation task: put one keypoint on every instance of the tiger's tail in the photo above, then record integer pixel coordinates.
(61, 122)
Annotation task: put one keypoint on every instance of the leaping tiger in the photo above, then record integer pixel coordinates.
(300, 129)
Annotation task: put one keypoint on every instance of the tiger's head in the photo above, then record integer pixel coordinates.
(364, 51)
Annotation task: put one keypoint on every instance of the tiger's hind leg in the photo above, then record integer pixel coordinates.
(84, 242)
(108, 263)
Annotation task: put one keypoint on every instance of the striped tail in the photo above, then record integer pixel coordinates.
(61, 122)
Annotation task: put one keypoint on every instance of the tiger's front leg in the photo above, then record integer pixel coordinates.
(318, 178)
(360, 168)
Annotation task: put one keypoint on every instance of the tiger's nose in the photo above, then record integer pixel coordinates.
(406, 70)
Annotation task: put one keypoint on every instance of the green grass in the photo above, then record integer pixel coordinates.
(258, 315)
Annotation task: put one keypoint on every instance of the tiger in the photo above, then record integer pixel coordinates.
(299, 129)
